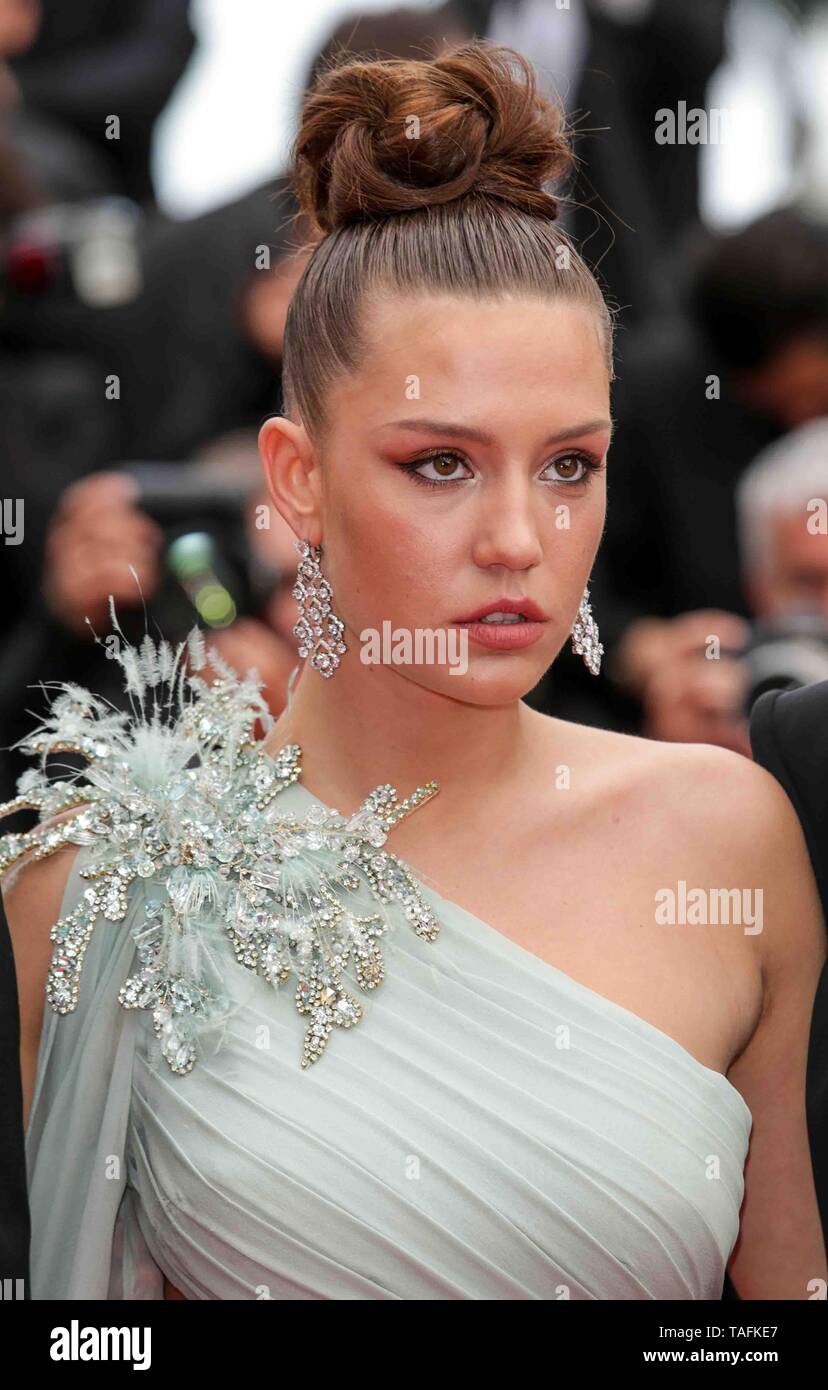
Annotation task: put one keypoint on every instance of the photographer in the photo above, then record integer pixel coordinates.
(712, 665)
(155, 539)
(697, 401)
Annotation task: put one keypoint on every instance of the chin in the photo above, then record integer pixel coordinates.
(488, 681)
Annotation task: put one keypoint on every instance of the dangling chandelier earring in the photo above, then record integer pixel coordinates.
(319, 631)
(585, 641)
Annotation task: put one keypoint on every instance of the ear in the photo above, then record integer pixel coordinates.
(292, 475)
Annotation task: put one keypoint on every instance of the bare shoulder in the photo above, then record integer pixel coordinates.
(722, 823)
(753, 840)
(719, 818)
(745, 820)
(739, 820)
(716, 799)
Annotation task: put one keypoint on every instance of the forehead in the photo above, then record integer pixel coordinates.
(505, 355)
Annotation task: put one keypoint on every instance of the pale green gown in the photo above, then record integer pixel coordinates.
(490, 1129)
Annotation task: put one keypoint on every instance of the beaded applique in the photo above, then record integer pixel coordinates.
(236, 882)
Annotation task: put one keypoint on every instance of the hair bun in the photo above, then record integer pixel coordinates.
(392, 135)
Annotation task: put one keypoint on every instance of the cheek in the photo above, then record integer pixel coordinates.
(575, 529)
(392, 555)
(395, 557)
(421, 560)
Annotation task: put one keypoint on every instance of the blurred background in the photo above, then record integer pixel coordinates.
(149, 247)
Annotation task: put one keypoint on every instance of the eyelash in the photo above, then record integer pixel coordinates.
(590, 462)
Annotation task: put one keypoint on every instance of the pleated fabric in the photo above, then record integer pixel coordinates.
(491, 1129)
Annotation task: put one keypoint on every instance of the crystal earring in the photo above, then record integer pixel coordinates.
(319, 630)
(585, 641)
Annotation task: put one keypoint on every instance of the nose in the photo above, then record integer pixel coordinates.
(507, 531)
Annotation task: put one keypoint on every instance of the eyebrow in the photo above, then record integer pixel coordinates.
(445, 427)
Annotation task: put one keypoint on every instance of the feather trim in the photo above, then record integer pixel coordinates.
(180, 793)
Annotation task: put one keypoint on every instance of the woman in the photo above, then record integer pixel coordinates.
(552, 1092)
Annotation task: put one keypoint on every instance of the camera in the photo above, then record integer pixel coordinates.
(789, 650)
(209, 574)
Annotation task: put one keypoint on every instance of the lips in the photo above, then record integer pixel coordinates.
(525, 607)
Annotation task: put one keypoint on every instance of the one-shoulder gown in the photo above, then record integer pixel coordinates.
(492, 1129)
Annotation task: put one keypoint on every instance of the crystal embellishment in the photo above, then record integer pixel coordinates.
(319, 630)
(181, 796)
(585, 639)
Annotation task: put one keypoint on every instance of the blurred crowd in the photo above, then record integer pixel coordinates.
(139, 353)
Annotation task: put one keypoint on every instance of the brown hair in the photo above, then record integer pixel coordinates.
(423, 176)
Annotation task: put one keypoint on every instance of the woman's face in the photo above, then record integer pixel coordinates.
(424, 523)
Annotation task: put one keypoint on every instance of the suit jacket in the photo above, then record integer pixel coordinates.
(15, 1230)
(789, 735)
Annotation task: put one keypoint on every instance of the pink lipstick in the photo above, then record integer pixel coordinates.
(513, 623)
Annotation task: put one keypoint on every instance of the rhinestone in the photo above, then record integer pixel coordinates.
(274, 889)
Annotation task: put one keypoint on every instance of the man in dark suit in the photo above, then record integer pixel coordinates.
(789, 736)
(15, 1229)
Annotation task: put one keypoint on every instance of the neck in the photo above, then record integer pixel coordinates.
(367, 725)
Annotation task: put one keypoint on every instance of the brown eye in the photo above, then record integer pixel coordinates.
(444, 464)
(572, 468)
(443, 467)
